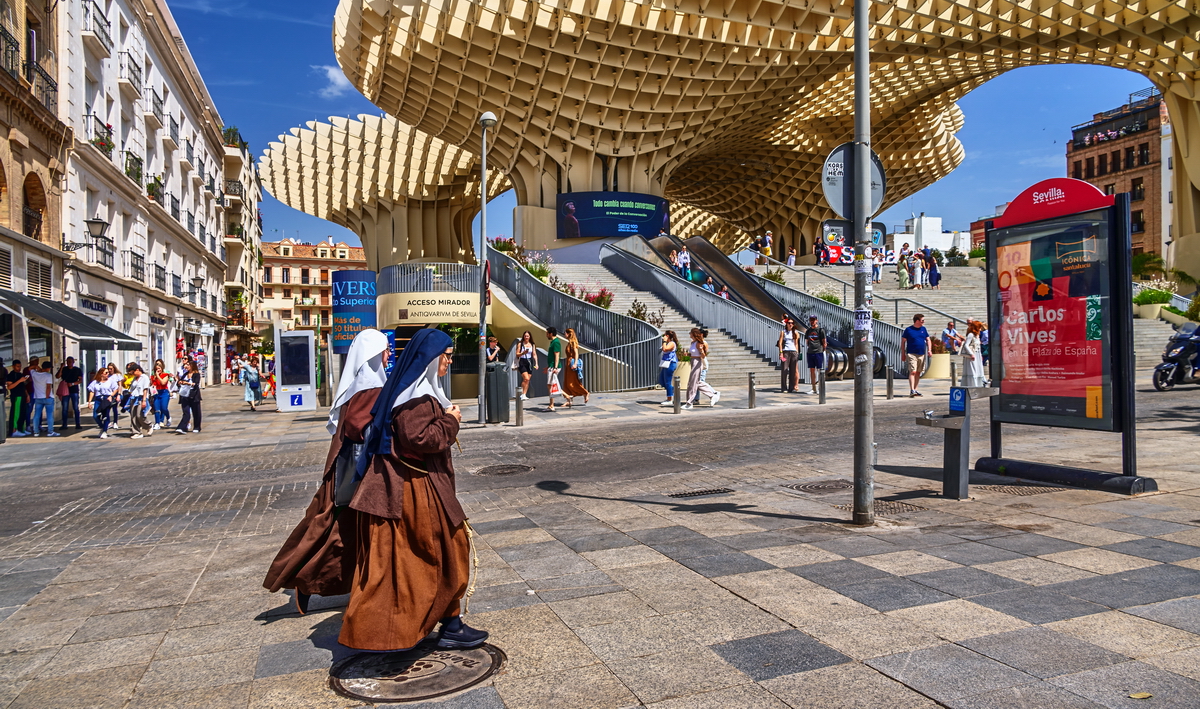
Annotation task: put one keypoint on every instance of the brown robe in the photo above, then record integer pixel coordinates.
(572, 386)
(412, 551)
(318, 557)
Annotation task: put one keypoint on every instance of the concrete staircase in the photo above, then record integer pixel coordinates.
(963, 293)
(729, 360)
(1149, 341)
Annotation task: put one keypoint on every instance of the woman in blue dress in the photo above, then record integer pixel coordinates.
(250, 379)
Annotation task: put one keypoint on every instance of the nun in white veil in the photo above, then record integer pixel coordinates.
(318, 557)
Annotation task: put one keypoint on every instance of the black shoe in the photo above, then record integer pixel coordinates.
(457, 635)
(302, 600)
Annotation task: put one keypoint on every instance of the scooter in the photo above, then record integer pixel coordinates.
(1179, 360)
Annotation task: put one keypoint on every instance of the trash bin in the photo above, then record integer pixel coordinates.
(497, 392)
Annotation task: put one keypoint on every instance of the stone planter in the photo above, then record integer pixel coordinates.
(1150, 312)
(683, 370)
(978, 262)
(1172, 318)
(939, 366)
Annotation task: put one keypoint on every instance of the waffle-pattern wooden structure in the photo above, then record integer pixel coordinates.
(408, 196)
(729, 107)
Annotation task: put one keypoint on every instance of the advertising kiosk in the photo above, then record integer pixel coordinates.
(1060, 316)
(295, 370)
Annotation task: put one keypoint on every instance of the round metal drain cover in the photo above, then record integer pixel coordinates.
(504, 470)
(414, 675)
(822, 486)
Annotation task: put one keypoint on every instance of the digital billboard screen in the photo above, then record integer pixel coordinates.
(608, 214)
(1052, 339)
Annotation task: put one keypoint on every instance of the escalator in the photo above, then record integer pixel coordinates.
(724, 270)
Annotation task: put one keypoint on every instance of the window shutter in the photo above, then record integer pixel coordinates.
(39, 279)
(5, 269)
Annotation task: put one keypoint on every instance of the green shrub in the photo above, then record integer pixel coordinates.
(776, 276)
(1173, 309)
(1193, 312)
(980, 252)
(1148, 296)
(830, 298)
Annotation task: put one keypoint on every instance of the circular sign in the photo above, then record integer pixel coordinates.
(413, 675)
(837, 180)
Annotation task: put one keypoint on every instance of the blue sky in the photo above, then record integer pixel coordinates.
(269, 66)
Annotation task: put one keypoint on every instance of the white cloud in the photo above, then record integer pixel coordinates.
(338, 84)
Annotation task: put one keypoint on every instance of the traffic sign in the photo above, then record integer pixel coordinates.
(837, 180)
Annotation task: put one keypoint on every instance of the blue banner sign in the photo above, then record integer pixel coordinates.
(353, 306)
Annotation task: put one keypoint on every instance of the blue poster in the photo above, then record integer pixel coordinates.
(590, 214)
(353, 306)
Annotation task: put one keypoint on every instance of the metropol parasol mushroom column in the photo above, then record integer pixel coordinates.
(729, 108)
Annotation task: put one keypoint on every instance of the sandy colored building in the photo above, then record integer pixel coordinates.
(296, 282)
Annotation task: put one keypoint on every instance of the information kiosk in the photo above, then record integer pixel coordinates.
(295, 370)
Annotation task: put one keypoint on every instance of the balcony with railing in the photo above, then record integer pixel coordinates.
(100, 134)
(174, 207)
(187, 157)
(160, 278)
(153, 109)
(171, 134)
(105, 252)
(130, 78)
(97, 32)
(133, 167)
(176, 285)
(235, 189)
(135, 266)
(10, 53)
(191, 222)
(239, 318)
(210, 185)
(31, 222)
(155, 190)
(200, 232)
(43, 86)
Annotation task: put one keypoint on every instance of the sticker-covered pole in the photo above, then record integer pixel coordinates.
(487, 120)
(864, 427)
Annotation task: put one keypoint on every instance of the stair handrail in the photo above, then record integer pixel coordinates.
(1177, 301)
(847, 286)
(838, 320)
(756, 331)
(622, 351)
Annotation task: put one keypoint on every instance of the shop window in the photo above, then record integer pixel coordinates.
(41, 342)
(38, 279)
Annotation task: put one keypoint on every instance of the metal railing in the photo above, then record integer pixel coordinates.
(1177, 301)
(173, 129)
(10, 53)
(235, 188)
(189, 151)
(191, 222)
(154, 102)
(624, 351)
(131, 71)
(31, 222)
(176, 285)
(43, 86)
(100, 134)
(754, 330)
(848, 288)
(160, 278)
(839, 322)
(133, 167)
(174, 207)
(95, 22)
(105, 252)
(135, 266)
(426, 278)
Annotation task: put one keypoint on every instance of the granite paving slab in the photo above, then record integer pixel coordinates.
(772, 655)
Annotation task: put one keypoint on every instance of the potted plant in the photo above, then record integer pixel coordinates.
(1150, 299)
(939, 360)
(684, 371)
(154, 188)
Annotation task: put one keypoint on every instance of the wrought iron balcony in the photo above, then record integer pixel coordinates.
(176, 285)
(10, 53)
(191, 222)
(154, 110)
(160, 278)
(135, 266)
(175, 207)
(133, 167)
(43, 86)
(171, 135)
(100, 134)
(31, 222)
(235, 188)
(130, 78)
(105, 252)
(97, 32)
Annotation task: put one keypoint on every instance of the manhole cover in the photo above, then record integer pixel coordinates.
(887, 508)
(1023, 490)
(414, 675)
(1020, 506)
(505, 470)
(821, 487)
(701, 493)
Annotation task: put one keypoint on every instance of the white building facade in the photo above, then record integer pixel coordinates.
(150, 160)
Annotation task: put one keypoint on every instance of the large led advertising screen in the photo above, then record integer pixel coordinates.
(1052, 336)
(607, 214)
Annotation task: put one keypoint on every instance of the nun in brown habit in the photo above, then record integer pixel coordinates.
(411, 565)
(318, 557)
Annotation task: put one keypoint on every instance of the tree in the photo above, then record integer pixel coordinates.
(1146, 265)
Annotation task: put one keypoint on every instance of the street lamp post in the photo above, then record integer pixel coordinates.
(864, 365)
(487, 120)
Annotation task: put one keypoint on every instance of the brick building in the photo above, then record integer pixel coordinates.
(295, 278)
(1128, 149)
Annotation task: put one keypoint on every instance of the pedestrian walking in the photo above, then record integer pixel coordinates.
(667, 365)
(16, 381)
(413, 546)
(526, 362)
(43, 400)
(573, 378)
(902, 272)
(698, 350)
(102, 397)
(189, 399)
(917, 271)
(70, 377)
(816, 342)
(951, 340)
(554, 360)
(877, 266)
(972, 354)
(160, 381)
(791, 256)
(789, 356)
(493, 350)
(319, 555)
(139, 403)
(984, 343)
(685, 264)
(252, 382)
(768, 244)
(934, 274)
(914, 347)
(118, 379)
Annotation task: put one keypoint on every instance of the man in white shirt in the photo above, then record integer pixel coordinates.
(43, 399)
(685, 263)
(139, 400)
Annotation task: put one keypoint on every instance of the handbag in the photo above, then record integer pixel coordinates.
(345, 481)
(64, 389)
(185, 391)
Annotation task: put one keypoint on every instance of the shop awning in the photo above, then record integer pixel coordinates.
(92, 334)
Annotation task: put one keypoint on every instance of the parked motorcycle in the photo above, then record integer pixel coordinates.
(1179, 360)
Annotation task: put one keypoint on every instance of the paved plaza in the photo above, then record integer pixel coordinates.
(132, 569)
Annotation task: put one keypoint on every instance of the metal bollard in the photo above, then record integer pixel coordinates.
(891, 373)
(753, 394)
(675, 400)
(520, 408)
(953, 373)
(821, 385)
